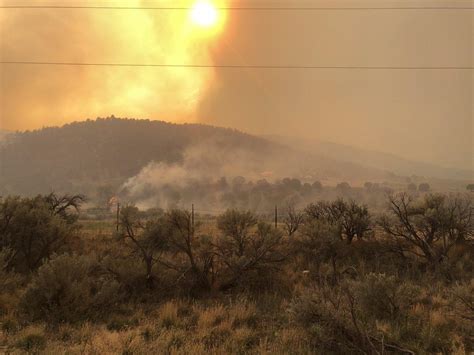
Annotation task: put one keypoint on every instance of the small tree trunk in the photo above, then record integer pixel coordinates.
(149, 274)
(349, 239)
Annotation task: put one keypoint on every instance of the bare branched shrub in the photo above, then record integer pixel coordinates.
(65, 206)
(428, 227)
(196, 249)
(242, 250)
(148, 240)
(235, 226)
(463, 301)
(293, 219)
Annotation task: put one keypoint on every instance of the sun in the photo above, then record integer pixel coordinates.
(204, 14)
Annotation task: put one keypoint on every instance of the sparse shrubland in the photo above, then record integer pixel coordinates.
(334, 277)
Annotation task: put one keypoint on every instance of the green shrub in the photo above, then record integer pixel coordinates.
(9, 325)
(9, 283)
(322, 314)
(35, 228)
(8, 279)
(462, 304)
(32, 342)
(385, 297)
(69, 288)
(118, 323)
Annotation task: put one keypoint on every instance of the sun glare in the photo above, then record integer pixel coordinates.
(204, 14)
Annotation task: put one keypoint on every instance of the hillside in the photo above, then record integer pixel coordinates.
(4, 135)
(373, 159)
(81, 156)
(103, 150)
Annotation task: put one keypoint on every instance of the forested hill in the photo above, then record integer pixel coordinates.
(111, 150)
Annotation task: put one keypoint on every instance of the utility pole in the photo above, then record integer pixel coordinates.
(192, 218)
(276, 216)
(118, 216)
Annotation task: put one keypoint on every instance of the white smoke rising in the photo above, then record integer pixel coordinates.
(203, 166)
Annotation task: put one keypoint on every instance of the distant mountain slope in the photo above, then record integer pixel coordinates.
(373, 159)
(3, 135)
(81, 156)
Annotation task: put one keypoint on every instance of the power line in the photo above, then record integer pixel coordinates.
(237, 8)
(217, 66)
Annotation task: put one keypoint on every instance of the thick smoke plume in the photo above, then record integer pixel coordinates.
(33, 96)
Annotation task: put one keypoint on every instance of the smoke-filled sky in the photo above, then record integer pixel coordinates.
(419, 114)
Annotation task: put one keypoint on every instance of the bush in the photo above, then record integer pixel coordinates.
(8, 279)
(34, 228)
(9, 325)
(378, 313)
(385, 297)
(322, 314)
(32, 343)
(351, 219)
(429, 227)
(121, 323)
(9, 282)
(462, 297)
(321, 248)
(250, 255)
(69, 288)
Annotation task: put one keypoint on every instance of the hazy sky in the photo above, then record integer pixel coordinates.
(419, 114)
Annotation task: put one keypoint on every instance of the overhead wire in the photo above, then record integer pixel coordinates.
(232, 66)
(165, 8)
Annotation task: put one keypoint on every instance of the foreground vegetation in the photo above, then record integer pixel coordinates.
(332, 278)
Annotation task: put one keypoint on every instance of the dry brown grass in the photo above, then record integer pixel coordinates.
(175, 327)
